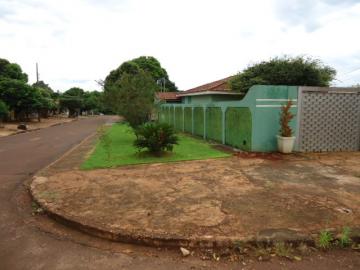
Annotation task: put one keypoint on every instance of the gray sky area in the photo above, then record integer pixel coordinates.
(79, 41)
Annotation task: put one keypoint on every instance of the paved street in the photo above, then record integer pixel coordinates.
(29, 242)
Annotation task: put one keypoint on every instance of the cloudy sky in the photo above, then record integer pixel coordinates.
(77, 42)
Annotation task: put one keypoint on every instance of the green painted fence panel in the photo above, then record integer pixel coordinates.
(179, 119)
(188, 119)
(162, 115)
(171, 116)
(166, 115)
(199, 121)
(238, 128)
(214, 124)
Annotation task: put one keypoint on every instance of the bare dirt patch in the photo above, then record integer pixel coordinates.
(218, 200)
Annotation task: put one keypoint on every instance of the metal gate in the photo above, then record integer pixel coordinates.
(329, 119)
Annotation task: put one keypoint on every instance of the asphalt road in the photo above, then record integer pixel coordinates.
(28, 242)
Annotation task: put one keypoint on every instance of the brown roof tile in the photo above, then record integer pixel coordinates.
(167, 95)
(219, 85)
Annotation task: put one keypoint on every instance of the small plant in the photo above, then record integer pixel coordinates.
(105, 141)
(325, 240)
(283, 250)
(285, 118)
(156, 137)
(345, 239)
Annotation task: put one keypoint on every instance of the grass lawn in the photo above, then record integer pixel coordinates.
(124, 153)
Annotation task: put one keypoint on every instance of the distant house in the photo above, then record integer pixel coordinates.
(211, 92)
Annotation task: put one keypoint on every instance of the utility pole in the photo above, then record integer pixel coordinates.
(37, 73)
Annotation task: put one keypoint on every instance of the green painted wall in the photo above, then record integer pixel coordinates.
(216, 98)
(179, 119)
(214, 124)
(199, 100)
(171, 116)
(199, 121)
(263, 103)
(188, 119)
(238, 128)
(167, 115)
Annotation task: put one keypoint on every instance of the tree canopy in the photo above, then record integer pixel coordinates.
(147, 64)
(72, 100)
(23, 99)
(298, 71)
(133, 97)
(11, 71)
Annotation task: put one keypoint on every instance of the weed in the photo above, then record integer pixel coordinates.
(345, 239)
(325, 240)
(283, 250)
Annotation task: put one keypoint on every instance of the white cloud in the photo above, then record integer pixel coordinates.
(77, 42)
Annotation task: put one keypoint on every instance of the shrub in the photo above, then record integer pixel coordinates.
(298, 71)
(285, 118)
(325, 240)
(156, 137)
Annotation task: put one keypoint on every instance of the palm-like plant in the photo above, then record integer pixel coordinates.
(156, 137)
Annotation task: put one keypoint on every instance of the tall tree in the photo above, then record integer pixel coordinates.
(148, 64)
(298, 71)
(133, 97)
(19, 97)
(11, 71)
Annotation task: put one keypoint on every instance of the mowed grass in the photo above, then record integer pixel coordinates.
(122, 151)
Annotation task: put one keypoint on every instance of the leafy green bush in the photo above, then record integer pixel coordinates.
(298, 71)
(156, 137)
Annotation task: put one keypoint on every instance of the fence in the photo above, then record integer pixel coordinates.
(213, 123)
(249, 124)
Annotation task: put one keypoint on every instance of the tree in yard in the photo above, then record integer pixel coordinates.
(44, 102)
(147, 64)
(133, 97)
(93, 102)
(73, 100)
(298, 71)
(4, 111)
(19, 96)
(11, 71)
